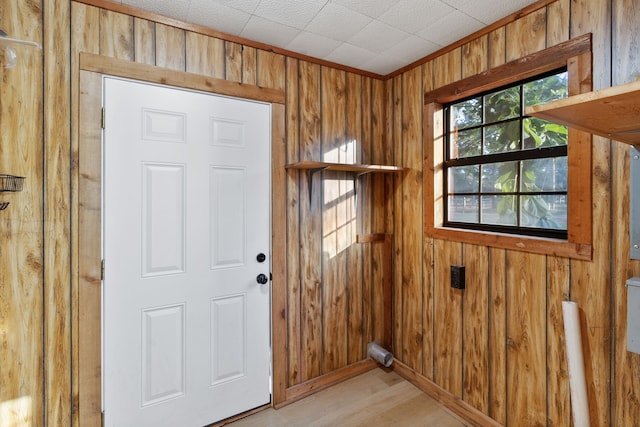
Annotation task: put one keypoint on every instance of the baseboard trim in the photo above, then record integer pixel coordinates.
(314, 385)
(453, 403)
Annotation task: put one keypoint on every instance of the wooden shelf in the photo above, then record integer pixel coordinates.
(612, 113)
(356, 169)
(359, 169)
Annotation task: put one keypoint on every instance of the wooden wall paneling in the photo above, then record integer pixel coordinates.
(354, 219)
(412, 230)
(170, 47)
(381, 200)
(558, 290)
(21, 228)
(279, 253)
(57, 219)
(334, 222)
(270, 70)
(249, 65)
(294, 308)
(116, 35)
(395, 133)
(233, 61)
(365, 211)
(497, 368)
(497, 47)
(626, 365)
(475, 331)
(475, 56)
(591, 281)
(526, 339)
(85, 30)
(447, 68)
(428, 255)
(144, 41)
(89, 391)
(558, 22)
(310, 225)
(447, 319)
(526, 35)
(205, 55)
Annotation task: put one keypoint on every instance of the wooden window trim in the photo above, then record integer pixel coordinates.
(575, 54)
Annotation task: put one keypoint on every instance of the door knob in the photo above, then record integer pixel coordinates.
(262, 279)
(261, 257)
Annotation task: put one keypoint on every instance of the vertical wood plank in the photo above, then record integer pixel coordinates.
(591, 281)
(447, 319)
(475, 335)
(526, 35)
(205, 55)
(249, 65)
(57, 221)
(558, 22)
(233, 62)
(144, 39)
(270, 70)
(475, 57)
(395, 133)
(170, 47)
(116, 35)
(334, 240)
(497, 47)
(355, 214)
(526, 339)
(294, 309)
(498, 394)
(412, 231)
(447, 68)
(311, 247)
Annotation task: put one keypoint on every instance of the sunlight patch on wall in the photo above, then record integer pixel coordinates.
(16, 412)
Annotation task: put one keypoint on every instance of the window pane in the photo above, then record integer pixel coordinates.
(499, 210)
(466, 143)
(544, 212)
(502, 105)
(499, 177)
(502, 137)
(465, 114)
(544, 175)
(545, 90)
(463, 179)
(541, 133)
(463, 209)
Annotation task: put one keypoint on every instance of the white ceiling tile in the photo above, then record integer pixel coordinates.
(377, 37)
(367, 7)
(244, 5)
(415, 15)
(412, 48)
(269, 32)
(350, 55)
(451, 28)
(177, 9)
(489, 11)
(296, 14)
(218, 17)
(337, 22)
(312, 45)
(458, 4)
(383, 64)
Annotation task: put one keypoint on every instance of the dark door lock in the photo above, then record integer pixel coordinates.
(261, 257)
(262, 279)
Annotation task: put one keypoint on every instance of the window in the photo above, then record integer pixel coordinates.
(486, 191)
(505, 171)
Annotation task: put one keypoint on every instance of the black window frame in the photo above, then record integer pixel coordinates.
(516, 156)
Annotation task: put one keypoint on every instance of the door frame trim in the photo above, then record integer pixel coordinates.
(88, 324)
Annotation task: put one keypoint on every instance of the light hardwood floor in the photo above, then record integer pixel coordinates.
(375, 398)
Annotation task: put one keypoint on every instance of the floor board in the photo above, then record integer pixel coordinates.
(375, 398)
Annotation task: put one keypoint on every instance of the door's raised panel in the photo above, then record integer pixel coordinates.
(163, 219)
(227, 133)
(163, 353)
(228, 217)
(228, 338)
(165, 126)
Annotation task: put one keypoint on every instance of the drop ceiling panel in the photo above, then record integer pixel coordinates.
(379, 36)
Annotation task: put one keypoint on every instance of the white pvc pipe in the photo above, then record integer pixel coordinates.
(575, 359)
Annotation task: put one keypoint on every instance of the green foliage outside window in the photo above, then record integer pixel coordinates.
(505, 168)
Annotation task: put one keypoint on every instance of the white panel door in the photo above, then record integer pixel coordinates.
(186, 212)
